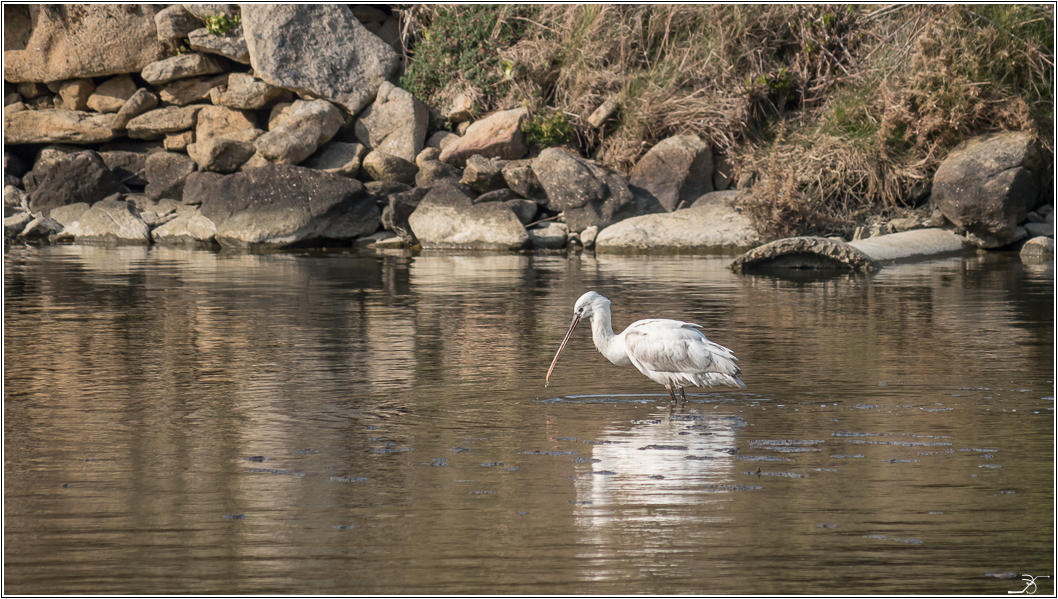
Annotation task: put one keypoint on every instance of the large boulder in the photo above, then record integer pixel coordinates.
(988, 184)
(677, 171)
(710, 224)
(498, 135)
(77, 177)
(56, 42)
(395, 123)
(588, 194)
(307, 127)
(278, 205)
(58, 126)
(447, 218)
(317, 49)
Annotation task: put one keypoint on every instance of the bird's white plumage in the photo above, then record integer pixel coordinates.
(670, 352)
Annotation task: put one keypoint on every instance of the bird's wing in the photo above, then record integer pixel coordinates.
(678, 347)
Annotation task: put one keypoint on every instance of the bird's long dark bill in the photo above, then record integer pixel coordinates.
(576, 321)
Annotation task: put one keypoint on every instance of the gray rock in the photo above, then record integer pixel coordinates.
(441, 140)
(166, 174)
(1037, 249)
(585, 192)
(918, 244)
(525, 210)
(383, 167)
(447, 218)
(522, 180)
(382, 190)
(196, 186)
(1039, 229)
(222, 155)
(432, 172)
(181, 67)
(50, 45)
(363, 218)
(108, 222)
(58, 126)
(246, 93)
(317, 49)
(68, 214)
(278, 205)
(78, 177)
(309, 126)
(16, 223)
(13, 196)
(41, 227)
(499, 195)
(710, 224)
(395, 123)
(588, 236)
(676, 171)
(549, 236)
(231, 44)
(154, 124)
(426, 155)
(191, 229)
(339, 158)
(130, 168)
(175, 22)
(483, 174)
(988, 184)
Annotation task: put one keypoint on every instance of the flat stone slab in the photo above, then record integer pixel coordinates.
(709, 225)
(912, 245)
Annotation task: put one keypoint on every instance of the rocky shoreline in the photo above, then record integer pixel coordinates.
(281, 127)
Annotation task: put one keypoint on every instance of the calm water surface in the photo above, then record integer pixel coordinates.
(339, 422)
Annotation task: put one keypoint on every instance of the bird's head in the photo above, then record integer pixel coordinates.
(587, 306)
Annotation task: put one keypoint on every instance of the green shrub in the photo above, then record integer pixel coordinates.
(547, 130)
(221, 24)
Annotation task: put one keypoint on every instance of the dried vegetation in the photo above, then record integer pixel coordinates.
(837, 112)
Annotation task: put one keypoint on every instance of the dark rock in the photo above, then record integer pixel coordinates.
(677, 171)
(987, 185)
(432, 172)
(78, 177)
(588, 194)
(166, 174)
(129, 167)
(522, 180)
(278, 205)
(196, 185)
(483, 174)
(500, 195)
(400, 207)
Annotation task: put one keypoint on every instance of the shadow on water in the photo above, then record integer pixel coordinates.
(343, 422)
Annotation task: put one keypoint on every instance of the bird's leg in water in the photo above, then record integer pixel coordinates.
(671, 394)
(683, 396)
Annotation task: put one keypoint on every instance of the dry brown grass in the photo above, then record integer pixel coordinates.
(837, 111)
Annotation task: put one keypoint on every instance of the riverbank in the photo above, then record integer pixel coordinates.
(210, 128)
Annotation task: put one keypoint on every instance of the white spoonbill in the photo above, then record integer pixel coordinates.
(673, 353)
